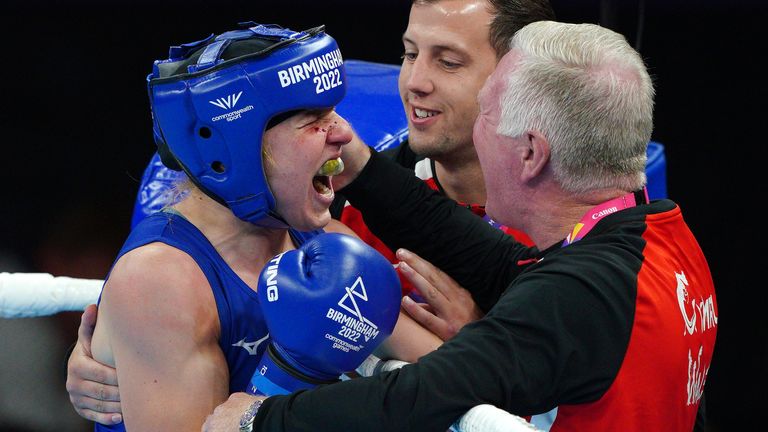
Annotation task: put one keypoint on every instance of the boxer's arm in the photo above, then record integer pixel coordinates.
(158, 325)
(409, 341)
(92, 386)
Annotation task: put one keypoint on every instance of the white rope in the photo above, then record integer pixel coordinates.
(488, 418)
(482, 418)
(24, 295)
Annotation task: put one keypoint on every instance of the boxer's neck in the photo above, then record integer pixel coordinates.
(244, 246)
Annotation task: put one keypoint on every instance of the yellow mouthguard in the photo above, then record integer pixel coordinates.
(331, 167)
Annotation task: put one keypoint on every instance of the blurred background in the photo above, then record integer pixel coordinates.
(77, 136)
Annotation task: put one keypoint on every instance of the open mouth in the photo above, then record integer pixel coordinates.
(322, 179)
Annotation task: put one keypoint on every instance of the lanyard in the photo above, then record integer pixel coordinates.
(597, 213)
(492, 222)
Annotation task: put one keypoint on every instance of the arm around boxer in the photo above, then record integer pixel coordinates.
(92, 386)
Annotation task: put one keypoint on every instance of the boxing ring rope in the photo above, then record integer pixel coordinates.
(27, 295)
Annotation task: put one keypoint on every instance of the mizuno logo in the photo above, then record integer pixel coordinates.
(228, 102)
(251, 347)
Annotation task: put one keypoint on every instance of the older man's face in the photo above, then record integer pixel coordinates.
(500, 156)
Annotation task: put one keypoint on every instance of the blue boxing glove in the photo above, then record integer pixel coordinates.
(327, 306)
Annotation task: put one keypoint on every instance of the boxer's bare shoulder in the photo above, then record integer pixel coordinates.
(161, 280)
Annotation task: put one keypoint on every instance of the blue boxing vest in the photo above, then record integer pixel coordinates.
(244, 334)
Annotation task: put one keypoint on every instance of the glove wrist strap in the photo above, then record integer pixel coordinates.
(275, 377)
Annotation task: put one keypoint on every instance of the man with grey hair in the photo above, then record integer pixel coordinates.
(613, 322)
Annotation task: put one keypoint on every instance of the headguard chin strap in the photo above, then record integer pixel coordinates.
(211, 101)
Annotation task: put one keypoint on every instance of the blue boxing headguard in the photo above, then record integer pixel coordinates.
(213, 99)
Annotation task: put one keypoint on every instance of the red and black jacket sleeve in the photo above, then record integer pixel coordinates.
(404, 212)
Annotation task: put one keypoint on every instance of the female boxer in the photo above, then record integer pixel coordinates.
(248, 116)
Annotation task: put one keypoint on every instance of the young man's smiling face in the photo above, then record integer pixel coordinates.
(447, 58)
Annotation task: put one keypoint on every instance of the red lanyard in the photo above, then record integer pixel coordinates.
(592, 217)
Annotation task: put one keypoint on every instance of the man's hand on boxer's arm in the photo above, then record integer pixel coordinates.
(92, 386)
(449, 306)
(238, 410)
